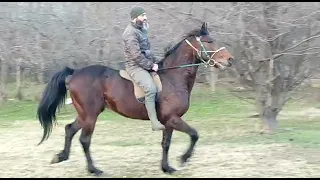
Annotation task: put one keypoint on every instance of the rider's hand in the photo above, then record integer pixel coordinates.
(155, 67)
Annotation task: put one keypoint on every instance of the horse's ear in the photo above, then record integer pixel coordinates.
(204, 28)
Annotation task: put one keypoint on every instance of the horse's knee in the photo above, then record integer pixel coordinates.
(71, 129)
(68, 130)
(87, 129)
(166, 145)
(67, 127)
(85, 139)
(194, 135)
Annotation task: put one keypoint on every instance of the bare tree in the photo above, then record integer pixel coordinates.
(274, 47)
(274, 43)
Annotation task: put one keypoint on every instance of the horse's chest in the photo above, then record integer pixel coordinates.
(177, 103)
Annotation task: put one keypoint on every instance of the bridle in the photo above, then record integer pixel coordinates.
(211, 62)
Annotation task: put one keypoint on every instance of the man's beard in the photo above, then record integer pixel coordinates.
(143, 24)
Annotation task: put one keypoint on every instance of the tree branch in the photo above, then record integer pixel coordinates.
(275, 56)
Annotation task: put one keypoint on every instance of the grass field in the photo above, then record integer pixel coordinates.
(230, 143)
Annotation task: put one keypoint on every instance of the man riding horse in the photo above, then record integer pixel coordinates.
(95, 88)
(140, 61)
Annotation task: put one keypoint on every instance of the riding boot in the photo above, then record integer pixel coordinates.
(156, 125)
(145, 81)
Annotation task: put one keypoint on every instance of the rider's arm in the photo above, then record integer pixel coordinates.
(132, 49)
(155, 59)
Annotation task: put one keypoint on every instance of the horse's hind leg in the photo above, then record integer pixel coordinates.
(70, 130)
(178, 124)
(85, 139)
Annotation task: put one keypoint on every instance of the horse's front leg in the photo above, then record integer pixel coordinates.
(166, 141)
(178, 124)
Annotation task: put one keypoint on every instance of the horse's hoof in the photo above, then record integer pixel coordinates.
(96, 171)
(183, 164)
(55, 159)
(184, 160)
(58, 158)
(168, 170)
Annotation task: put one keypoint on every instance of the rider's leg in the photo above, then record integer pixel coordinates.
(145, 81)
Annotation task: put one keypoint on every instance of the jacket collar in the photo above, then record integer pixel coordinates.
(136, 25)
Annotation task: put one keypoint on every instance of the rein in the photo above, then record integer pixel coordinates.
(181, 66)
(206, 63)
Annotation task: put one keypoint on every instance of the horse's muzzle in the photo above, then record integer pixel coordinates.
(230, 62)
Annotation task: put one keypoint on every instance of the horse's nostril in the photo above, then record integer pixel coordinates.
(231, 60)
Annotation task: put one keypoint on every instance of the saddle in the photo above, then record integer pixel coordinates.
(138, 92)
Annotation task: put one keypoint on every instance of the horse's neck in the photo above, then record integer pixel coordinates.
(184, 77)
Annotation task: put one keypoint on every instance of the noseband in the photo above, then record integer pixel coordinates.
(211, 62)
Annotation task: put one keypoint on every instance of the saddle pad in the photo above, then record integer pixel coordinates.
(138, 92)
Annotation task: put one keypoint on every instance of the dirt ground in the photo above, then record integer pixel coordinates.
(135, 151)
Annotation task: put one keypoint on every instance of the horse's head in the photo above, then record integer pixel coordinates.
(207, 50)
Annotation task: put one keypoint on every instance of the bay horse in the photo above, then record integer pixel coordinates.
(95, 88)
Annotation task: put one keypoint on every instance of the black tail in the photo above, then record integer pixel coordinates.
(53, 97)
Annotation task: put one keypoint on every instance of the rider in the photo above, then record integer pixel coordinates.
(140, 60)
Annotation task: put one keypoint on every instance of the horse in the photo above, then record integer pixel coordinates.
(95, 88)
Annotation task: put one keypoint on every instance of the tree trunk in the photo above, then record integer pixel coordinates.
(191, 8)
(3, 77)
(41, 59)
(269, 117)
(212, 77)
(18, 80)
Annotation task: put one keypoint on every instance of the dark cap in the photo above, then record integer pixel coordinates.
(136, 11)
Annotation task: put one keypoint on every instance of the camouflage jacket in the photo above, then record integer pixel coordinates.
(137, 48)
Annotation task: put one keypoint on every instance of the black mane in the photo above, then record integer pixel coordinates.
(196, 32)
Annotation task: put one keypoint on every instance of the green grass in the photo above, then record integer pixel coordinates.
(31, 91)
(204, 104)
(220, 114)
(18, 110)
(295, 132)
